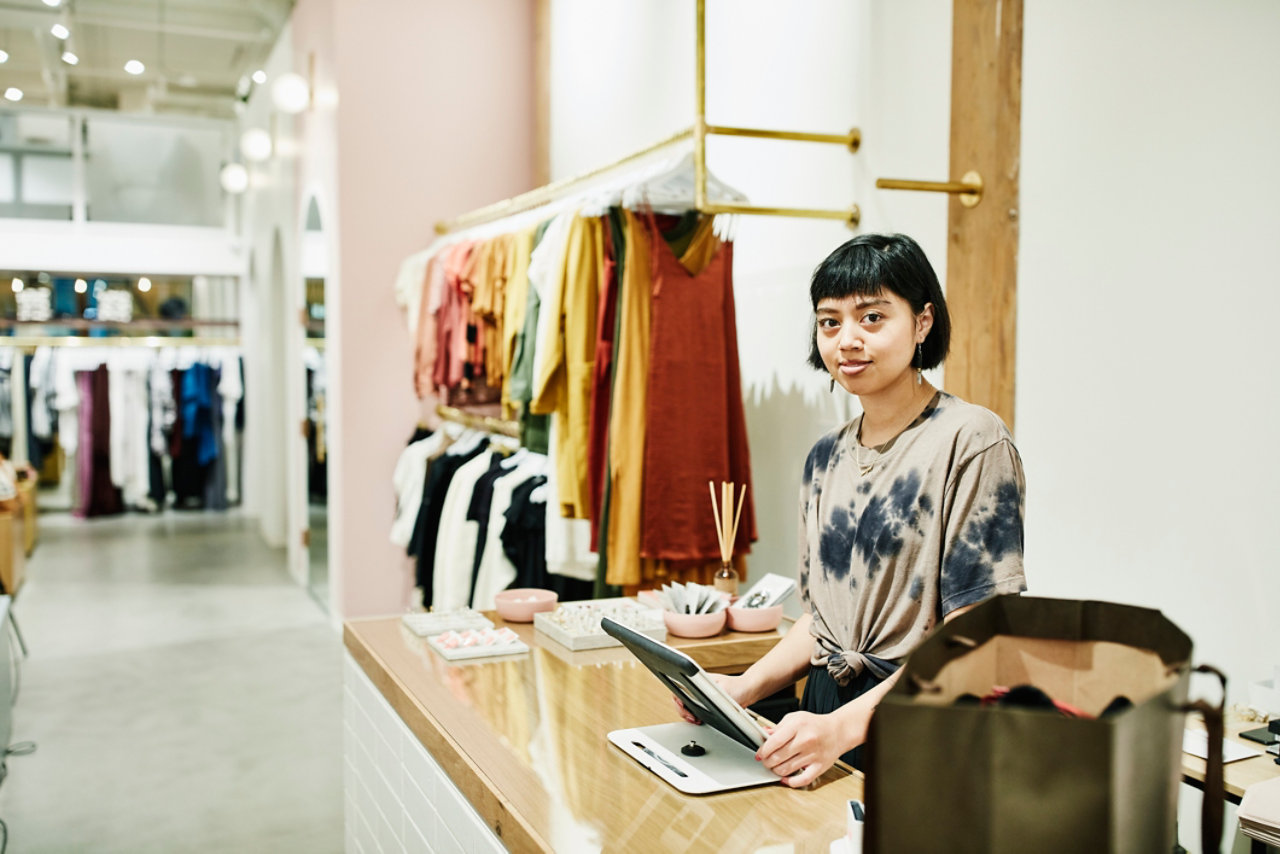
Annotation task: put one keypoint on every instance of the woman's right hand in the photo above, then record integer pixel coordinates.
(734, 686)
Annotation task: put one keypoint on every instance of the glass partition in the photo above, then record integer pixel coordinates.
(105, 168)
(148, 173)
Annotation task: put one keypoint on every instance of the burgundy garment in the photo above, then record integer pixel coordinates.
(695, 424)
(104, 498)
(84, 453)
(602, 386)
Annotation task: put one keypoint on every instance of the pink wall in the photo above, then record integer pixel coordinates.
(434, 117)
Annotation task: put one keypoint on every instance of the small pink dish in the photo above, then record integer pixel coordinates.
(754, 619)
(694, 625)
(519, 605)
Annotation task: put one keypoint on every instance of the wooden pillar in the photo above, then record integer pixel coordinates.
(982, 241)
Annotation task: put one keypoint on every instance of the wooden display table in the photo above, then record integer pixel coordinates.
(524, 740)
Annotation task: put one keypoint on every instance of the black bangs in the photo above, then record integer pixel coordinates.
(857, 268)
(871, 263)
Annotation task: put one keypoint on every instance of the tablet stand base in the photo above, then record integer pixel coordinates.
(724, 765)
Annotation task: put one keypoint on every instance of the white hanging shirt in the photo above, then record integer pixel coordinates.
(496, 569)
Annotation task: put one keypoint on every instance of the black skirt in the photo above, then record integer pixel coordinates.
(823, 695)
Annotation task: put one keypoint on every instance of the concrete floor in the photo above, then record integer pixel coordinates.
(183, 692)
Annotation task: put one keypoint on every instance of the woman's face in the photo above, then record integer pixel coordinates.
(868, 343)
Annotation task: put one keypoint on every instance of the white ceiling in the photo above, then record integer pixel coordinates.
(198, 54)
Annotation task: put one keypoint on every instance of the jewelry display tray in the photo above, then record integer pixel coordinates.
(646, 621)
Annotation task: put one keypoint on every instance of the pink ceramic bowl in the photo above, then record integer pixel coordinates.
(694, 625)
(519, 605)
(754, 619)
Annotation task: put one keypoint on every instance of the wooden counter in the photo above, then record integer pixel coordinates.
(524, 739)
(1236, 776)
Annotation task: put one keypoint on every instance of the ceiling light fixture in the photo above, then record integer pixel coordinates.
(60, 32)
(234, 178)
(54, 3)
(4, 56)
(13, 93)
(70, 58)
(255, 145)
(144, 284)
(259, 77)
(18, 285)
(134, 67)
(290, 93)
(82, 286)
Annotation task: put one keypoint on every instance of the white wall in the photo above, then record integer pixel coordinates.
(1148, 294)
(822, 67)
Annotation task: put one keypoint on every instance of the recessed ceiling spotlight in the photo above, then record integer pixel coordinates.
(134, 67)
(70, 58)
(13, 93)
(259, 77)
(60, 32)
(144, 284)
(54, 3)
(82, 286)
(4, 56)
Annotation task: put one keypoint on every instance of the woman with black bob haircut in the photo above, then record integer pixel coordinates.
(911, 513)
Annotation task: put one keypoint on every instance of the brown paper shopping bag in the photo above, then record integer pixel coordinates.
(955, 778)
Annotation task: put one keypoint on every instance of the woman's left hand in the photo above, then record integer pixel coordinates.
(804, 745)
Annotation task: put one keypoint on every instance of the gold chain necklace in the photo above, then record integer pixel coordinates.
(864, 468)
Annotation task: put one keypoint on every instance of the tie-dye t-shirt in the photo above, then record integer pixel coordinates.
(896, 537)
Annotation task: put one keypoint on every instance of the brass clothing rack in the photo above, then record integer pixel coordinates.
(698, 133)
(486, 423)
(156, 341)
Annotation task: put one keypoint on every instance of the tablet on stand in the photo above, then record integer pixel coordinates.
(716, 757)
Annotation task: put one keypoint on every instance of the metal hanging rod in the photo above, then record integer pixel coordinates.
(555, 190)
(968, 188)
(140, 323)
(486, 423)
(155, 341)
(851, 140)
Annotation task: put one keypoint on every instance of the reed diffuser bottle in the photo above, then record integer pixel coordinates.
(727, 517)
(727, 578)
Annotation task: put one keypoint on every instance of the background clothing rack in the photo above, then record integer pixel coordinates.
(698, 133)
(480, 422)
(32, 341)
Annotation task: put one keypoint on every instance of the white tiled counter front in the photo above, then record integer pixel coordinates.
(397, 798)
